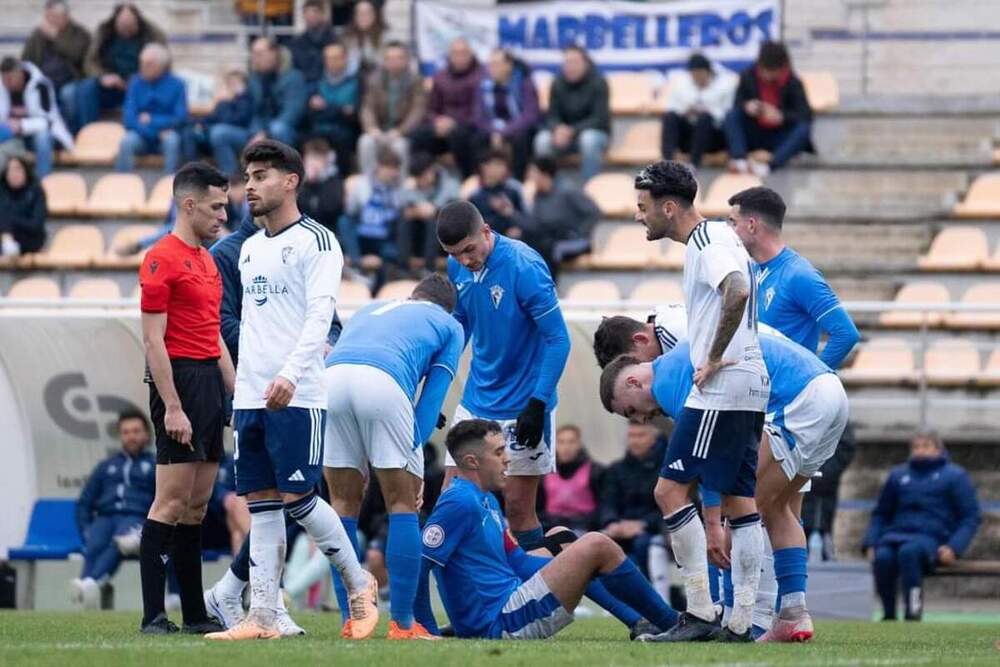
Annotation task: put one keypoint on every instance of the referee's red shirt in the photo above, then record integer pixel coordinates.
(184, 283)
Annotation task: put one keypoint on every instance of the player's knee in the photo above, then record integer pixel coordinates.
(669, 496)
(169, 510)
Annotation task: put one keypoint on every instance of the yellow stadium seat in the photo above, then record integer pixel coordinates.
(990, 375)
(982, 200)
(65, 193)
(657, 291)
(116, 256)
(671, 255)
(882, 361)
(73, 246)
(626, 248)
(95, 288)
(34, 288)
(822, 90)
(96, 144)
(956, 249)
(981, 294)
(639, 145)
(353, 293)
(715, 203)
(951, 362)
(614, 194)
(116, 195)
(396, 289)
(660, 97)
(158, 204)
(917, 292)
(592, 291)
(630, 93)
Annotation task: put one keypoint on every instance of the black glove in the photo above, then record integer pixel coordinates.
(531, 423)
(442, 421)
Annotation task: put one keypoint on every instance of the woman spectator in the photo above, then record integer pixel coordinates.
(571, 495)
(22, 208)
(364, 36)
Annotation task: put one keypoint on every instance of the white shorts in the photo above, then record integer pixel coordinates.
(533, 612)
(523, 462)
(369, 419)
(816, 419)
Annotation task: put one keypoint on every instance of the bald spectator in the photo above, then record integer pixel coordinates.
(29, 112)
(394, 104)
(58, 47)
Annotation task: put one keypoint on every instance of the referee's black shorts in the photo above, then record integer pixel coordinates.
(201, 390)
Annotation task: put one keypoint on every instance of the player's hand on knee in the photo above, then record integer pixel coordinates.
(279, 393)
(531, 424)
(178, 426)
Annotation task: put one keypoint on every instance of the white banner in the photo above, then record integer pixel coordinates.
(618, 35)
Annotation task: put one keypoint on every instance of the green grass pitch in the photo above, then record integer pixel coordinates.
(110, 639)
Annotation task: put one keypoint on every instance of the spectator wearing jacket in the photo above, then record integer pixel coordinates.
(571, 495)
(334, 106)
(394, 104)
(113, 506)
(770, 112)
(233, 108)
(364, 37)
(579, 118)
(29, 111)
(927, 514)
(112, 60)
(154, 113)
(23, 206)
(452, 112)
(508, 110)
(321, 195)
(58, 47)
(307, 47)
(629, 514)
(372, 212)
(500, 197)
(697, 102)
(432, 187)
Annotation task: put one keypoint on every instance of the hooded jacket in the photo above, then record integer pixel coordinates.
(456, 94)
(40, 103)
(627, 490)
(582, 105)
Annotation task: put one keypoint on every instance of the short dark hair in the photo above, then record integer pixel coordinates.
(763, 202)
(386, 156)
(613, 338)
(9, 64)
(458, 220)
(773, 55)
(546, 165)
(420, 162)
(198, 177)
(437, 289)
(316, 145)
(579, 49)
(469, 432)
(128, 414)
(570, 427)
(609, 377)
(667, 178)
(491, 154)
(276, 154)
(397, 44)
(698, 61)
(933, 436)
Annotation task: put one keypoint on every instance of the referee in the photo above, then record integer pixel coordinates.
(191, 373)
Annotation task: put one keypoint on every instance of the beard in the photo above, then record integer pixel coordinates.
(262, 207)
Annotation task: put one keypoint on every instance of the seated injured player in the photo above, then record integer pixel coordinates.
(490, 587)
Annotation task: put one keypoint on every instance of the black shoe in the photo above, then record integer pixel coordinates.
(727, 636)
(161, 625)
(642, 627)
(210, 624)
(447, 631)
(688, 629)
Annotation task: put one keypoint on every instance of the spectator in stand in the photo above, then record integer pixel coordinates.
(432, 188)
(364, 37)
(570, 496)
(307, 47)
(500, 197)
(450, 126)
(372, 212)
(321, 195)
(29, 112)
(770, 112)
(579, 119)
(628, 510)
(394, 104)
(560, 217)
(508, 110)
(22, 200)
(155, 112)
(334, 106)
(819, 506)
(112, 508)
(698, 99)
(927, 514)
(58, 47)
(233, 108)
(112, 60)
(278, 94)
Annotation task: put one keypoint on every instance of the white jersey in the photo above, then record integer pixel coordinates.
(713, 252)
(279, 275)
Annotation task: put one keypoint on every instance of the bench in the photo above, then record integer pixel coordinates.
(969, 568)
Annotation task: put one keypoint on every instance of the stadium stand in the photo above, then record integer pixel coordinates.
(158, 204)
(613, 193)
(625, 248)
(883, 361)
(73, 247)
(116, 196)
(982, 294)
(96, 145)
(95, 288)
(714, 203)
(396, 289)
(630, 92)
(591, 291)
(982, 200)
(353, 293)
(65, 194)
(956, 249)
(657, 291)
(34, 289)
(922, 292)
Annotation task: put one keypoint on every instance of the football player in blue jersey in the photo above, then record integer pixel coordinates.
(507, 305)
(793, 296)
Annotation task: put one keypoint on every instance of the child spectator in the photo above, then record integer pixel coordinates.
(500, 198)
(432, 187)
(22, 202)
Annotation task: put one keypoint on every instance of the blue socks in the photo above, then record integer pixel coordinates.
(351, 527)
(790, 570)
(597, 592)
(727, 588)
(402, 559)
(530, 539)
(423, 613)
(628, 585)
(241, 562)
(713, 583)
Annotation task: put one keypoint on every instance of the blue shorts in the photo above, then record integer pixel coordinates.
(278, 449)
(719, 447)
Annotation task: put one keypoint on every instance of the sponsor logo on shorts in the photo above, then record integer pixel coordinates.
(433, 536)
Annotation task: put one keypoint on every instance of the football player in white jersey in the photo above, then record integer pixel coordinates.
(290, 274)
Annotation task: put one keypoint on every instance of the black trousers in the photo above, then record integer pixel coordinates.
(694, 137)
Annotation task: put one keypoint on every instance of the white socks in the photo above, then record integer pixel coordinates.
(267, 553)
(230, 585)
(324, 527)
(767, 591)
(687, 536)
(746, 557)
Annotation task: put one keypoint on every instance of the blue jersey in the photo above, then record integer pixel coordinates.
(464, 537)
(403, 338)
(519, 339)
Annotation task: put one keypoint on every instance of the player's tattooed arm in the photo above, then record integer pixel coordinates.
(735, 292)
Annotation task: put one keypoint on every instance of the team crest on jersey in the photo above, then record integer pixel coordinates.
(496, 294)
(768, 297)
(287, 254)
(433, 536)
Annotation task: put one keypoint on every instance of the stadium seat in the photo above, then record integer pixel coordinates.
(52, 531)
(990, 375)
(981, 294)
(65, 194)
(951, 362)
(657, 291)
(715, 203)
(639, 145)
(917, 292)
(883, 361)
(822, 90)
(158, 204)
(116, 195)
(956, 249)
(982, 200)
(95, 288)
(73, 247)
(592, 291)
(353, 293)
(396, 289)
(36, 288)
(124, 238)
(992, 263)
(96, 144)
(630, 92)
(626, 248)
(614, 194)
(671, 255)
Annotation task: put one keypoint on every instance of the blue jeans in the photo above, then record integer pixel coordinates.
(744, 135)
(92, 98)
(905, 561)
(354, 246)
(133, 144)
(590, 144)
(100, 553)
(67, 104)
(41, 144)
(227, 141)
